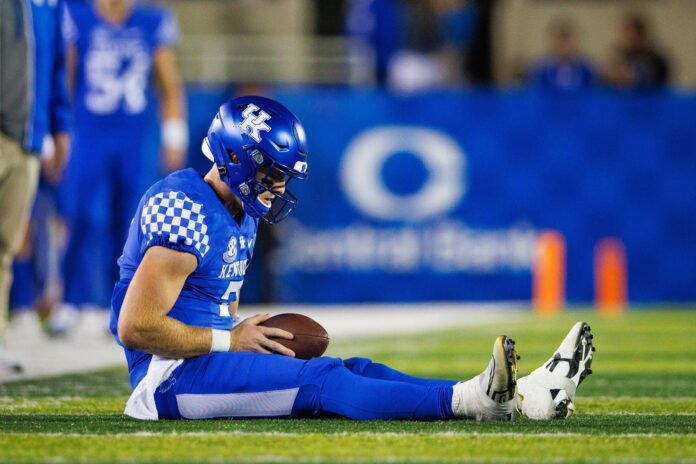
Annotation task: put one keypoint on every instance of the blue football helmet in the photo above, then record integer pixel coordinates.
(266, 138)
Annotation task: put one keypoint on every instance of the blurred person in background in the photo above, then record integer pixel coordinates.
(36, 283)
(422, 44)
(382, 24)
(419, 65)
(636, 62)
(34, 118)
(564, 69)
(459, 23)
(117, 48)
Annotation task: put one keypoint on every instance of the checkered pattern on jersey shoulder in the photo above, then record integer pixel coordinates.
(170, 218)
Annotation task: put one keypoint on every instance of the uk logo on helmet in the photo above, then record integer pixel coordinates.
(254, 123)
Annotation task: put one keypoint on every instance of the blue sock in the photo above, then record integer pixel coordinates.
(363, 398)
(366, 368)
(22, 290)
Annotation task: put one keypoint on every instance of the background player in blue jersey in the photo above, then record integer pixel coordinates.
(182, 269)
(118, 50)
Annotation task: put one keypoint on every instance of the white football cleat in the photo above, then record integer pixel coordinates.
(549, 391)
(8, 363)
(491, 395)
(63, 322)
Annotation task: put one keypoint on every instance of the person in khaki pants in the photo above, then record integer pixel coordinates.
(19, 173)
(34, 109)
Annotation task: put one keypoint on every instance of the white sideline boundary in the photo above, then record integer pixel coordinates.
(91, 346)
(376, 435)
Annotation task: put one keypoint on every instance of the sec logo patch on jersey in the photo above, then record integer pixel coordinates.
(231, 253)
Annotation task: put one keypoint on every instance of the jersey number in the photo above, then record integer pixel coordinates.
(113, 77)
(232, 288)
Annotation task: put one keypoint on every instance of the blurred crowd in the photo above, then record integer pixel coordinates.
(421, 45)
(91, 99)
(634, 63)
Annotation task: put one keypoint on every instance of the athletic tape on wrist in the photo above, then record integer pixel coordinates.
(175, 134)
(221, 341)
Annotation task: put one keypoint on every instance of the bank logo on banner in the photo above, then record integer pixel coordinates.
(364, 159)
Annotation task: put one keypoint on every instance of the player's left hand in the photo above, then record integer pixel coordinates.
(53, 165)
(251, 337)
(172, 159)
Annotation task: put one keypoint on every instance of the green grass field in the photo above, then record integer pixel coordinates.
(638, 406)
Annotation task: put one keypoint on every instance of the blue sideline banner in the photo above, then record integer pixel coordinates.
(441, 196)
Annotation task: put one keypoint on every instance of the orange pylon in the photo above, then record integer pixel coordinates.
(549, 274)
(611, 279)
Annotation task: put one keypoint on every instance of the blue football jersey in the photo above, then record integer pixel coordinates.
(113, 78)
(182, 212)
(49, 101)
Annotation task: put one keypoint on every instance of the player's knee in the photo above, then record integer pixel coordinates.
(315, 370)
(357, 365)
(311, 380)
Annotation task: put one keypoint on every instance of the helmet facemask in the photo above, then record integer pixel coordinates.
(281, 204)
(233, 168)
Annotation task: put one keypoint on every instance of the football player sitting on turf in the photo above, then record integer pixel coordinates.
(183, 266)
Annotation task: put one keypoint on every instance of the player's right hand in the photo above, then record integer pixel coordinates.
(55, 163)
(250, 336)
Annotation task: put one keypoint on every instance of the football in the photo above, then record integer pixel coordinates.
(311, 339)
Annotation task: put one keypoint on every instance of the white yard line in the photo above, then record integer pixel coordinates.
(640, 398)
(448, 434)
(17, 411)
(628, 413)
(92, 347)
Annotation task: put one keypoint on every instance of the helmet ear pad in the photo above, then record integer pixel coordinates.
(213, 148)
(231, 172)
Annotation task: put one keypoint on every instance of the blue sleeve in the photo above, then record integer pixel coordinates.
(172, 220)
(167, 33)
(61, 113)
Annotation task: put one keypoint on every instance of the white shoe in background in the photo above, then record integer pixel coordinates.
(9, 363)
(63, 322)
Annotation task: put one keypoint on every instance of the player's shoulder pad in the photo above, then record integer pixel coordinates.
(175, 218)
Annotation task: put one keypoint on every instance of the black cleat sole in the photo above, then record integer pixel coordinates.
(584, 351)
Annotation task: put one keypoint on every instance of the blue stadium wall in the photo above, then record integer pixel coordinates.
(440, 196)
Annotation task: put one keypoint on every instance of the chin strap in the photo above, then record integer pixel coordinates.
(259, 210)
